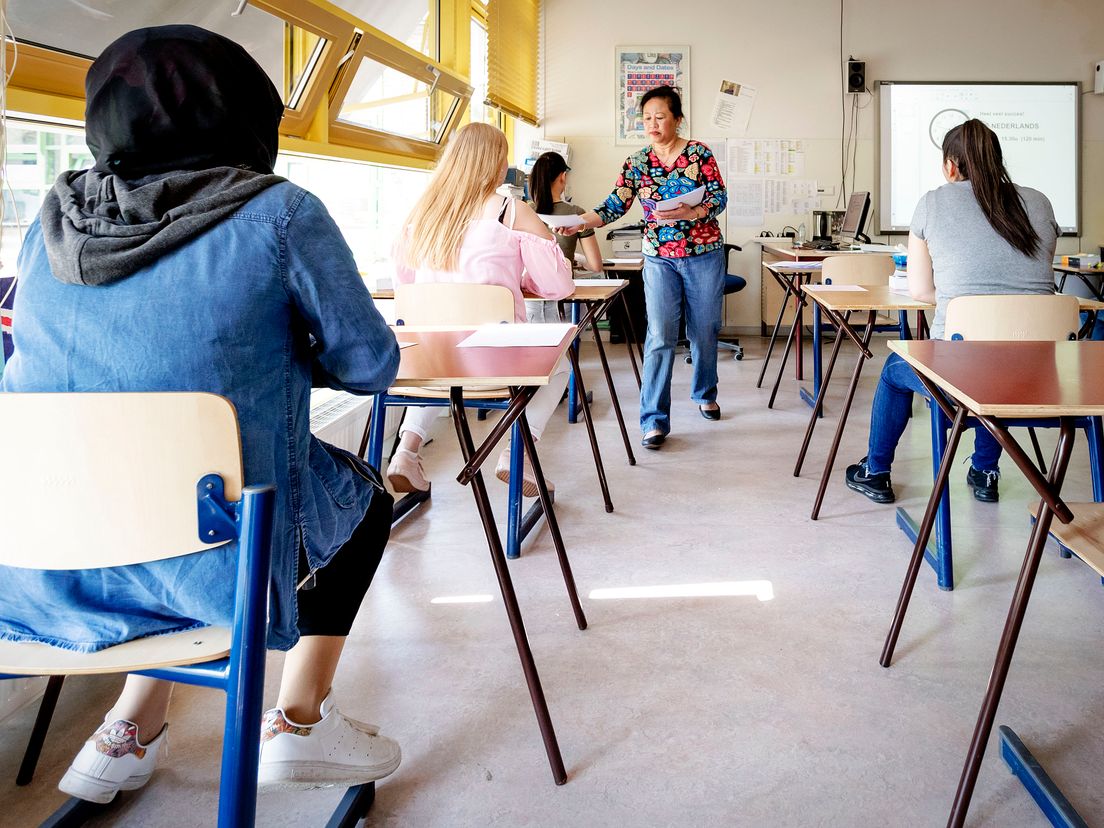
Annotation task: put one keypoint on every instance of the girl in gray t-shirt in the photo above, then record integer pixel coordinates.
(977, 234)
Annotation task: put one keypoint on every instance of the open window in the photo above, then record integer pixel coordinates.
(392, 98)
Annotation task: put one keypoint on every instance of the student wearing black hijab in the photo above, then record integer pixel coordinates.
(179, 262)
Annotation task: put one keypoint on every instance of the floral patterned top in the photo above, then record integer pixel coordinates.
(645, 176)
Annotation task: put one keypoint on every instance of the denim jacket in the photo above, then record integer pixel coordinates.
(254, 309)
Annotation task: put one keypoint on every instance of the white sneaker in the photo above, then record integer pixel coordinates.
(405, 473)
(112, 760)
(528, 479)
(334, 751)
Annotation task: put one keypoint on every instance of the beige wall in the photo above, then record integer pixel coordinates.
(790, 52)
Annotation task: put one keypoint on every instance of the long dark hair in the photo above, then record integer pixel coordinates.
(546, 170)
(975, 150)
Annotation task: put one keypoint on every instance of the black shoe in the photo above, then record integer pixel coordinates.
(875, 486)
(710, 413)
(984, 485)
(653, 440)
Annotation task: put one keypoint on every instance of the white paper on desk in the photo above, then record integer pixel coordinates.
(599, 282)
(732, 107)
(624, 260)
(834, 288)
(802, 266)
(745, 202)
(406, 345)
(517, 335)
(560, 221)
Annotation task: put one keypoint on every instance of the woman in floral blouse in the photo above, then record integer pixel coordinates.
(684, 261)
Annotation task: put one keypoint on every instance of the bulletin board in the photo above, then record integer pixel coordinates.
(638, 69)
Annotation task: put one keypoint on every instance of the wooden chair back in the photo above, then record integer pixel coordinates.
(449, 303)
(858, 269)
(1032, 317)
(99, 480)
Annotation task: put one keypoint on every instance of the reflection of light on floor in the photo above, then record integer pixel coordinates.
(763, 590)
(463, 599)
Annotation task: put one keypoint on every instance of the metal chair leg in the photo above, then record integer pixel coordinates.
(38, 732)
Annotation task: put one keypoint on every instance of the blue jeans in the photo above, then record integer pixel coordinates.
(890, 415)
(695, 284)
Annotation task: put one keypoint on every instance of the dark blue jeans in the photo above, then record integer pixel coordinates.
(890, 415)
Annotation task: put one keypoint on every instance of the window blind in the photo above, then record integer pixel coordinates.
(512, 44)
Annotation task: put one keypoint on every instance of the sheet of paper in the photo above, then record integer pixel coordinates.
(560, 221)
(835, 288)
(732, 107)
(624, 260)
(517, 335)
(599, 282)
(539, 146)
(745, 202)
(802, 266)
(768, 157)
(407, 345)
(690, 199)
(719, 148)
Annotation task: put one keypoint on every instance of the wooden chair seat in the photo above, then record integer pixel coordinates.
(173, 650)
(1084, 537)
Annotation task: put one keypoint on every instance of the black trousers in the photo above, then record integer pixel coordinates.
(329, 605)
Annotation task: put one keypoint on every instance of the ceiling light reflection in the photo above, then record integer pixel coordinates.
(463, 599)
(763, 590)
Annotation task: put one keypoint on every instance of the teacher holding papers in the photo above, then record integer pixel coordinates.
(681, 192)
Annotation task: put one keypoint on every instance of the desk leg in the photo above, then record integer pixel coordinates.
(578, 375)
(795, 331)
(818, 358)
(613, 391)
(1049, 491)
(799, 319)
(863, 353)
(1057, 809)
(818, 403)
(505, 585)
(553, 524)
(774, 333)
(572, 389)
(923, 533)
(631, 341)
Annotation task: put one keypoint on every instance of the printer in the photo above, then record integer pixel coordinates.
(626, 239)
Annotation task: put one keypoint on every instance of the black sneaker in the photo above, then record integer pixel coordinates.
(875, 486)
(984, 484)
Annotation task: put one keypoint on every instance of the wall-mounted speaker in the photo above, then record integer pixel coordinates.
(856, 75)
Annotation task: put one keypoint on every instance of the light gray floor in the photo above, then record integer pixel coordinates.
(681, 711)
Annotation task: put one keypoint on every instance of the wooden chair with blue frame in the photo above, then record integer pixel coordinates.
(440, 303)
(1002, 317)
(146, 477)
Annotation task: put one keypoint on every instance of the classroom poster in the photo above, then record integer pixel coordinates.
(638, 69)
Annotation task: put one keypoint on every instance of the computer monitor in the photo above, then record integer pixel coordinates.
(855, 218)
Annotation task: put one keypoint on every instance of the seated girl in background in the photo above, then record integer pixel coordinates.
(977, 234)
(547, 183)
(461, 230)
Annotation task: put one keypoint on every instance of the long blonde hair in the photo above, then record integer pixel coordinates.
(466, 176)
